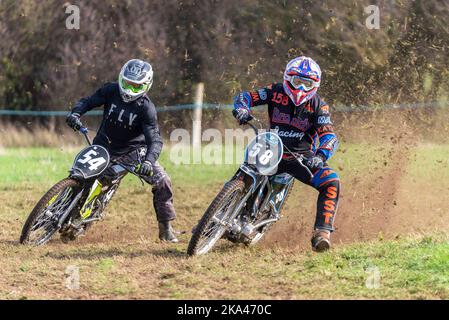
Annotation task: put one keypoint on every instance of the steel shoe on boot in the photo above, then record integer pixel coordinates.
(166, 232)
(321, 240)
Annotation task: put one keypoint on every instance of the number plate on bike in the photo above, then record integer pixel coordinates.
(265, 152)
(91, 161)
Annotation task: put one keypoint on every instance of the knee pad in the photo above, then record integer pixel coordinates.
(160, 181)
(325, 177)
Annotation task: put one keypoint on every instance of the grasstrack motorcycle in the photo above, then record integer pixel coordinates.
(251, 201)
(74, 203)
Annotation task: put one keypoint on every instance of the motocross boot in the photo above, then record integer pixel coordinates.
(166, 232)
(321, 240)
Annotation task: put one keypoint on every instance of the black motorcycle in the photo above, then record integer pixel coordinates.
(251, 202)
(74, 203)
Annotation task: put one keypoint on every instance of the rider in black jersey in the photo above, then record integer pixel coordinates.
(130, 132)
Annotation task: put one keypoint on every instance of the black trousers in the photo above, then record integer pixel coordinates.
(326, 181)
(160, 182)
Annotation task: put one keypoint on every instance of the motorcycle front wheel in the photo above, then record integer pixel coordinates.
(42, 223)
(215, 220)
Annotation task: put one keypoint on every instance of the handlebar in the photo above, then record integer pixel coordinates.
(253, 126)
(85, 132)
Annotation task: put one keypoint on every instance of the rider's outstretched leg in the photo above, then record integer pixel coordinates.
(327, 182)
(163, 203)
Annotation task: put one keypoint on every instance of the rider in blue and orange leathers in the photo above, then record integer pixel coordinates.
(303, 122)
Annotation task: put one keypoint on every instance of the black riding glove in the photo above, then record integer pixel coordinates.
(145, 168)
(314, 163)
(242, 115)
(73, 121)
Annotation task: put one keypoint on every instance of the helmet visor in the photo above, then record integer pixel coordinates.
(134, 87)
(297, 82)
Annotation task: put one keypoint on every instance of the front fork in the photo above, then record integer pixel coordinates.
(268, 192)
(86, 209)
(99, 187)
(88, 206)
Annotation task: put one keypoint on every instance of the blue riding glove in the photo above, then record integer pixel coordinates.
(242, 115)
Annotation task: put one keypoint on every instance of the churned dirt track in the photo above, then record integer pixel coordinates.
(365, 210)
(382, 198)
(381, 195)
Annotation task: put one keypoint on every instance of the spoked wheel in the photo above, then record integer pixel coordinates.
(43, 220)
(215, 221)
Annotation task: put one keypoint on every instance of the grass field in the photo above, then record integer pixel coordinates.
(391, 239)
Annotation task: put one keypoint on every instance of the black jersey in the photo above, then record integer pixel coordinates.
(125, 126)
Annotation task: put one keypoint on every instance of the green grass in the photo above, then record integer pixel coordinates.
(46, 165)
(430, 162)
(408, 268)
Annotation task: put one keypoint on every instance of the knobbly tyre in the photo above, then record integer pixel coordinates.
(74, 203)
(251, 202)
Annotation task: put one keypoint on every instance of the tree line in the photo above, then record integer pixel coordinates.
(229, 45)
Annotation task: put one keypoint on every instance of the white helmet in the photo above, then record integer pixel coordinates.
(302, 78)
(135, 79)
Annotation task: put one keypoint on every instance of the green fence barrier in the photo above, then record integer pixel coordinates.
(37, 113)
